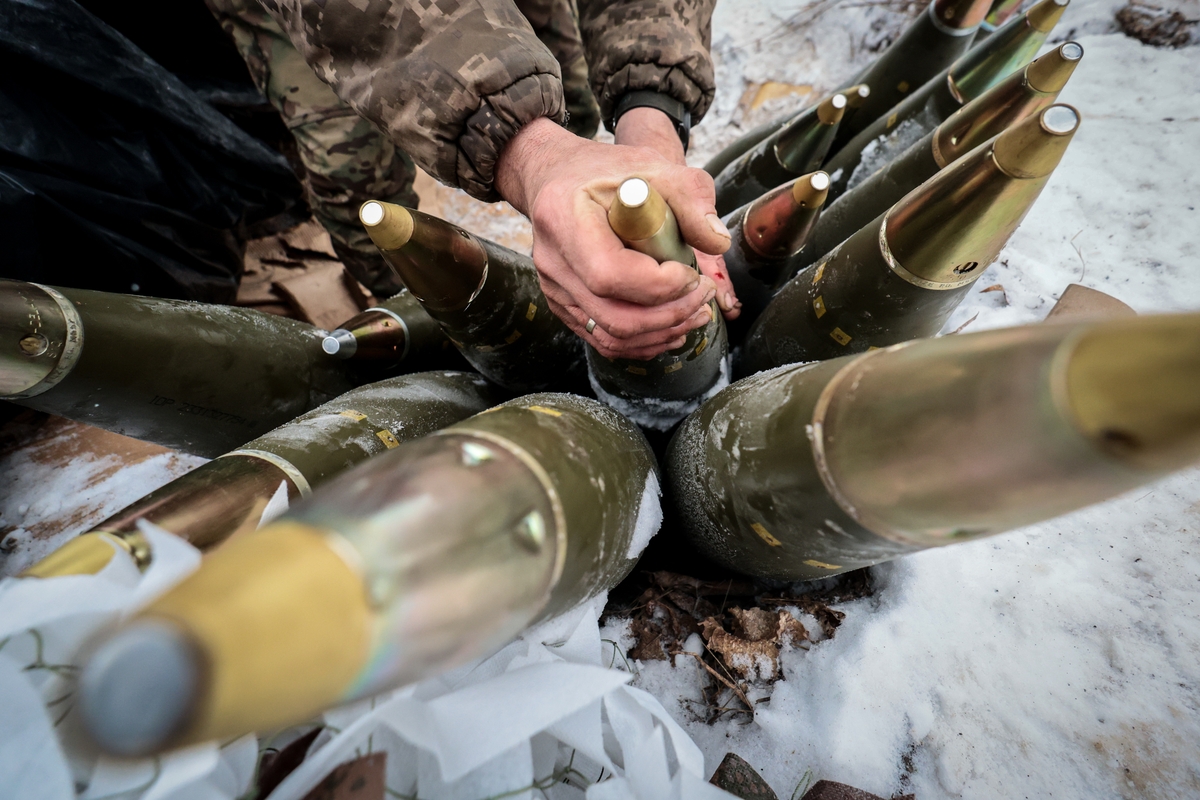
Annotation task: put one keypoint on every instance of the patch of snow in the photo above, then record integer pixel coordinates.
(62, 502)
(881, 151)
(656, 414)
(649, 517)
(277, 505)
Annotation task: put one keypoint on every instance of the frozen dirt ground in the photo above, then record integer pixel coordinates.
(1062, 660)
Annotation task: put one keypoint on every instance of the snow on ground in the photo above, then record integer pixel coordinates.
(1062, 660)
(68, 477)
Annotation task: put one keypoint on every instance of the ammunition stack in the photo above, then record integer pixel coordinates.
(979, 69)
(900, 277)
(427, 523)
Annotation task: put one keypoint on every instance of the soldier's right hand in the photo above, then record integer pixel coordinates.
(565, 185)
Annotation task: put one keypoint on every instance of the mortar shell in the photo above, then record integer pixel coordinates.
(930, 44)
(190, 376)
(660, 391)
(227, 495)
(766, 233)
(796, 149)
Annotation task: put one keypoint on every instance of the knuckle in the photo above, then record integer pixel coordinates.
(603, 280)
(624, 329)
(606, 351)
(699, 183)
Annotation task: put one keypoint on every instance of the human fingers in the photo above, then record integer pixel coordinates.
(714, 268)
(627, 320)
(564, 307)
(692, 197)
(605, 345)
(648, 338)
(578, 241)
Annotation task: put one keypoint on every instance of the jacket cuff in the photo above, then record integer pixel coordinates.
(669, 80)
(499, 117)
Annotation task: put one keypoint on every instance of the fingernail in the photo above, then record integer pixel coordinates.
(717, 226)
(678, 343)
(692, 286)
(728, 301)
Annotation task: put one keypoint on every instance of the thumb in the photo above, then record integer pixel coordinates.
(692, 197)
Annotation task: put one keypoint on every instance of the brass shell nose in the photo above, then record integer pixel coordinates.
(1033, 147)
(1051, 72)
(832, 109)
(638, 211)
(390, 226)
(810, 191)
(262, 580)
(441, 264)
(1046, 14)
(856, 95)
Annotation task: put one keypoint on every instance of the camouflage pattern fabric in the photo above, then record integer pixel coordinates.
(556, 23)
(655, 45)
(451, 81)
(347, 161)
(454, 80)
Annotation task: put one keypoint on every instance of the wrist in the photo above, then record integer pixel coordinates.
(521, 168)
(650, 127)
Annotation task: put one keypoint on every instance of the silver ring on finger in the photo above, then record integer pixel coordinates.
(591, 325)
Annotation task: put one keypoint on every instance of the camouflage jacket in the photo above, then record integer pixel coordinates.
(452, 81)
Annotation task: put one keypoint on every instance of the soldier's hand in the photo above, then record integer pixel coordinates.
(565, 185)
(649, 127)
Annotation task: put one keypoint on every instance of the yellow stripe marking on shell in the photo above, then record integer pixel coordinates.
(812, 562)
(765, 535)
(553, 412)
(840, 336)
(531, 312)
(389, 441)
(354, 415)
(819, 306)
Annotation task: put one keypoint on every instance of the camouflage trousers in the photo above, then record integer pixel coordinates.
(347, 160)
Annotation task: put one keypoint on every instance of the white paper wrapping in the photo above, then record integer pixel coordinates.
(542, 717)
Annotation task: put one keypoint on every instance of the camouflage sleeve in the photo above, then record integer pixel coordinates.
(449, 82)
(659, 45)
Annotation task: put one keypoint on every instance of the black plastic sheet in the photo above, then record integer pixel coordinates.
(114, 175)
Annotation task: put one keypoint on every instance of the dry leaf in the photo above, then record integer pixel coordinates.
(755, 654)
